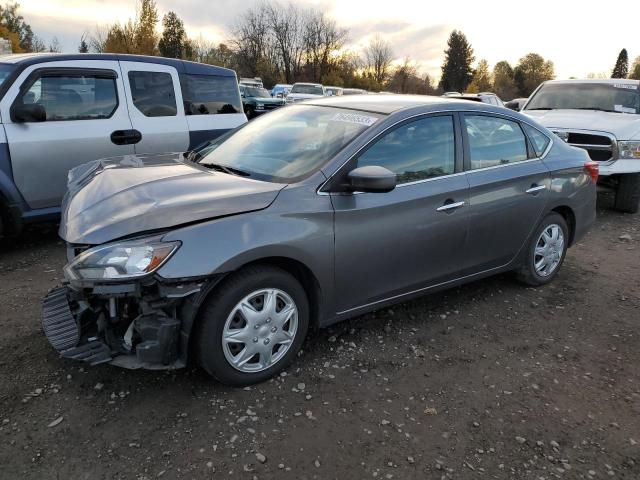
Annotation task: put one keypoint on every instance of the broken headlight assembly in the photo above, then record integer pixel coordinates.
(121, 261)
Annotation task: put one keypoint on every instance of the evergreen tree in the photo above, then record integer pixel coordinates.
(456, 70)
(481, 81)
(635, 70)
(83, 47)
(173, 40)
(621, 69)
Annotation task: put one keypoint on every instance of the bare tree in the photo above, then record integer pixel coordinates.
(322, 39)
(252, 40)
(287, 29)
(98, 40)
(378, 57)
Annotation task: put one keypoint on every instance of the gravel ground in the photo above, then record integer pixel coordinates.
(490, 380)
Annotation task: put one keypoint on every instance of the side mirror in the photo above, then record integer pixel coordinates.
(28, 112)
(372, 179)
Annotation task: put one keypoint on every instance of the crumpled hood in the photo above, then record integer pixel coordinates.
(623, 126)
(116, 197)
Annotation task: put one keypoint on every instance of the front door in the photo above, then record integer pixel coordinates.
(508, 190)
(84, 105)
(389, 244)
(156, 107)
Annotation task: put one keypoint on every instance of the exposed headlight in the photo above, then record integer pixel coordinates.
(121, 261)
(564, 136)
(629, 149)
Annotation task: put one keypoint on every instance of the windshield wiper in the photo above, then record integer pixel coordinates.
(597, 109)
(226, 169)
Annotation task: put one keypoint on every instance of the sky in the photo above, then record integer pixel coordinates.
(578, 37)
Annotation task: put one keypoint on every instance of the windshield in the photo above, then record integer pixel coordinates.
(256, 92)
(621, 98)
(289, 144)
(307, 89)
(5, 71)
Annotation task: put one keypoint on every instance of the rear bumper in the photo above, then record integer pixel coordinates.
(128, 325)
(585, 213)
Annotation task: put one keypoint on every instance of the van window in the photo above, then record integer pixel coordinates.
(153, 93)
(73, 97)
(210, 94)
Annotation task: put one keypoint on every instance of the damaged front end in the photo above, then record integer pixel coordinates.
(112, 308)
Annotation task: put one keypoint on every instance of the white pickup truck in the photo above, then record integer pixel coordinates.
(602, 117)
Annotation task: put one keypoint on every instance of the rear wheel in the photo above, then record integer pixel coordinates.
(252, 326)
(628, 193)
(546, 251)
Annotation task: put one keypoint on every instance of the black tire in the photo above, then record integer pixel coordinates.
(628, 193)
(219, 306)
(527, 272)
(248, 111)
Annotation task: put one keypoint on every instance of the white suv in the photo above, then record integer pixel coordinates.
(59, 111)
(602, 117)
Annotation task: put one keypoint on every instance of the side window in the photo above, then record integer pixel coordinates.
(539, 140)
(153, 93)
(71, 96)
(415, 151)
(210, 94)
(494, 141)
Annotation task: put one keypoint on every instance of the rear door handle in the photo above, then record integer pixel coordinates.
(535, 189)
(447, 207)
(126, 137)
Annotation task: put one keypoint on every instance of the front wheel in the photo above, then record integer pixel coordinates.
(546, 251)
(252, 326)
(628, 193)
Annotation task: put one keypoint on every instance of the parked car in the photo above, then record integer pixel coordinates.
(451, 94)
(251, 82)
(484, 97)
(281, 90)
(333, 91)
(516, 104)
(256, 101)
(602, 117)
(310, 215)
(60, 111)
(304, 91)
(354, 91)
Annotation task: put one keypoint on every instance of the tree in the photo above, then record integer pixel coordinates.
(621, 69)
(635, 69)
(456, 69)
(173, 40)
(54, 46)
(481, 81)
(531, 71)
(504, 84)
(14, 23)
(83, 47)
(378, 58)
(137, 36)
(287, 30)
(322, 38)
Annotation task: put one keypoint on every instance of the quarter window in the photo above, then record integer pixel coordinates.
(153, 93)
(71, 96)
(415, 151)
(494, 141)
(210, 94)
(539, 140)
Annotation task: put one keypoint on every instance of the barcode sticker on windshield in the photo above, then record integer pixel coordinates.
(630, 86)
(354, 118)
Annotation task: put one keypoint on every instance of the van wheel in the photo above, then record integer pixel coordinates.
(628, 193)
(252, 326)
(546, 251)
(248, 112)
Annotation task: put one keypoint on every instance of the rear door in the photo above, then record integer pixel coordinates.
(85, 103)
(155, 107)
(509, 189)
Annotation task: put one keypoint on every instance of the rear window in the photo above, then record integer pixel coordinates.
(210, 94)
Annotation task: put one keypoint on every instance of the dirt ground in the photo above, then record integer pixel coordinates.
(490, 380)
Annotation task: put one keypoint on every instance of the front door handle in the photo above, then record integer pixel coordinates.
(535, 189)
(126, 137)
(447, 207)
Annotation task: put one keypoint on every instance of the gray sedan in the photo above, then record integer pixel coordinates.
(309, 215)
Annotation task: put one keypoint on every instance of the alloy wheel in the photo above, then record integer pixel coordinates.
(549, 250)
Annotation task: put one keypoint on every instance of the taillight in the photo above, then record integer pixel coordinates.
(593, 170)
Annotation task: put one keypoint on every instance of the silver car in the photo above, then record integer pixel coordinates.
(305, 217)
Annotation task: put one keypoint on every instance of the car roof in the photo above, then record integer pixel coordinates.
(183, 66)
(308, 83)
(387, 104)
(608, 81)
